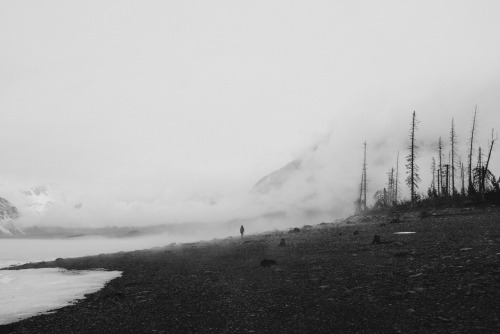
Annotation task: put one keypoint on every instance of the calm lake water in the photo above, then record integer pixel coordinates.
(16, 251)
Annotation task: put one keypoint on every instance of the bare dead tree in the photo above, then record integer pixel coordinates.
(432, 189)
(462, 177)
(446, 185)
(390, 187)
(412, 169)
(471, 190)
(481, 172)
(397, 179)
(492, 142)
(364, 177)
(361, 192)
(359, 202)
(448, 176)
(440, 169)
(478, 172)
(453, 142)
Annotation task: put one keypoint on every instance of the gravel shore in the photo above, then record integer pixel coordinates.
(328, 278)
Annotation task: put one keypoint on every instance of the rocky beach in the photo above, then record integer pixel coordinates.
(319, 278)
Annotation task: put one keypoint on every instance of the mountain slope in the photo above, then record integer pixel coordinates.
(276, 179)
(8, 213)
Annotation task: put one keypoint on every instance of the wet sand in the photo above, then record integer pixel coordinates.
(445, 278)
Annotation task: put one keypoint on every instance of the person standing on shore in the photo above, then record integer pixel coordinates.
(242, 231)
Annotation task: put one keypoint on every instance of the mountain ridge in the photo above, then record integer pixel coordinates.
(8, 213)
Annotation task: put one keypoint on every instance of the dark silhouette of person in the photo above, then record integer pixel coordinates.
(242, 230)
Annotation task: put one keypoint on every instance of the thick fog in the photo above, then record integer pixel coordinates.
(142, 114)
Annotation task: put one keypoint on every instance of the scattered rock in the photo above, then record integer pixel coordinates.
(423, 214)
(395, 220)
(377, 241)
(401, 254)
(267, 263)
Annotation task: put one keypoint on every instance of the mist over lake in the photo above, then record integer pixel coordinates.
(16, 251)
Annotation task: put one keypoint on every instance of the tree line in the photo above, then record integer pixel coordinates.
(452, 182)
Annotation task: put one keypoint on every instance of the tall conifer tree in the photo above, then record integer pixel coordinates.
(413, 177)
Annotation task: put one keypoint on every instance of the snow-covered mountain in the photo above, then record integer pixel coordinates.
(38, 199)
(8, 213)
(29, 205)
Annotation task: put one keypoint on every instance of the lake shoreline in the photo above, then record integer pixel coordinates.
(327, 278)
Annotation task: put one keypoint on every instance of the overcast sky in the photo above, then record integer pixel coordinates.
(139, 100)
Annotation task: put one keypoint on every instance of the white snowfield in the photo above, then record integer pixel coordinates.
(28, 292)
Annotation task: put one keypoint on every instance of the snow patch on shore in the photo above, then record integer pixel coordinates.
(28, 292)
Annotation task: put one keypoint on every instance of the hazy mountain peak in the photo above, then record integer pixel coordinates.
(276, 179)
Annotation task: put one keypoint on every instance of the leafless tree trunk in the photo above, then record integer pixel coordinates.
(483, 179)
(412, 168)
(471, 190)
(433, 170)
(390, 186)
(462, 177)
(440, 169)
(364, 177)
(397, 178)
(359, 206)
(453, 141)
(478, 175)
